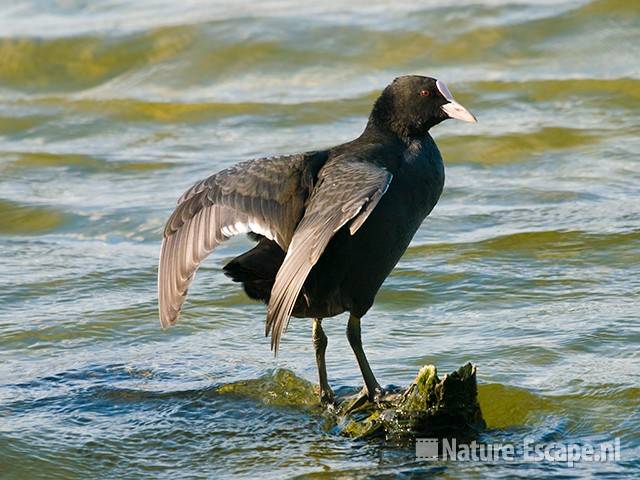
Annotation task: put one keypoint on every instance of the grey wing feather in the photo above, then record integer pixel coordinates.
(265, 196)
(346, 190)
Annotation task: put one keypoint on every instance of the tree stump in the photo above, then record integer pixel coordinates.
(429, 407)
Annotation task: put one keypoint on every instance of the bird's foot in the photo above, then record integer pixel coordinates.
(364, 397)
(327, 398)
(378, 395)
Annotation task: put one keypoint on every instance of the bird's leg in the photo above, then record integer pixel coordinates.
(372, 388)
(320, 346)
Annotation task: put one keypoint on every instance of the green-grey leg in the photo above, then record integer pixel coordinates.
(373, 389)
(320, 346)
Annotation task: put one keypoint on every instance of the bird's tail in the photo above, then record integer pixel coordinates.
(257, 269)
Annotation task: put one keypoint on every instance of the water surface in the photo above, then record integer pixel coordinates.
(529, 266)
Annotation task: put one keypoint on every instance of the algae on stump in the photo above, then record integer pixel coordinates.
(430, 406)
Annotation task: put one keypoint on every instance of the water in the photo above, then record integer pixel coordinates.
(529, 266)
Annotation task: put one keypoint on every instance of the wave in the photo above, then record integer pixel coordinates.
(512, 147)
(549, 243)
(21, 219)
(192, 55)
(78, 162)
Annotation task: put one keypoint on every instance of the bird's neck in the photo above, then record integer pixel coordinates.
(381, 132)
(384, 126)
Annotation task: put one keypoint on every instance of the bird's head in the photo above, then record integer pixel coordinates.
(412, 104)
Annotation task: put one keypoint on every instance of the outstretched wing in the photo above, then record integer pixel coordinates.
(265, 196)
(347, 190)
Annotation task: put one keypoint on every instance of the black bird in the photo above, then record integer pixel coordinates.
(330, 225)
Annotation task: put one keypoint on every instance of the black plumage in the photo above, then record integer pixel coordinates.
(330, 224)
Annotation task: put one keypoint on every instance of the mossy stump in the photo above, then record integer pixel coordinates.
(429, 407)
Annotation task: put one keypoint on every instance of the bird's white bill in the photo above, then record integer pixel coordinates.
(454, 110)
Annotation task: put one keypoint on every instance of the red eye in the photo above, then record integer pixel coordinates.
(424, 93)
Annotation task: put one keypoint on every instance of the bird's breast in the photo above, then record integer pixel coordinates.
(421, 177)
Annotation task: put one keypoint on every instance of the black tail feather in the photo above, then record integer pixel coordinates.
(257, 269)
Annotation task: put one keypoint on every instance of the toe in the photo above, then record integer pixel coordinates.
(356, 401)
(378, 395)
(327, 397)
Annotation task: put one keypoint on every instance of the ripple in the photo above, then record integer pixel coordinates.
(505, 406)
(278, 388)
(528, 268)
(132, 110)
(21, 219)
(543, 244)
(12, 125)
(75, 63)
(513, 147)
(78, 162)
(598, 92)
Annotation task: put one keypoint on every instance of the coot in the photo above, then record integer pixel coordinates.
(330, 225)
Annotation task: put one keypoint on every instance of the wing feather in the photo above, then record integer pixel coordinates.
(346, 190)
(264, 196)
